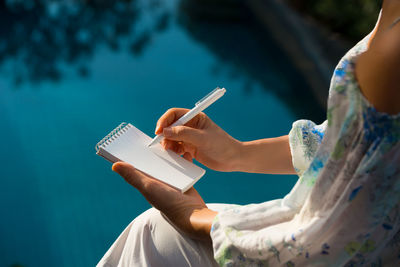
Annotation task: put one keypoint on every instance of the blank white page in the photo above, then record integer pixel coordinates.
(131, 145)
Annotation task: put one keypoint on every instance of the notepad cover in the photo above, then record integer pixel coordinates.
(129, 144)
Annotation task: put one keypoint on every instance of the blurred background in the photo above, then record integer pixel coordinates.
(71, 71)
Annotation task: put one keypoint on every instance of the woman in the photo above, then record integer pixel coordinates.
(343, 211)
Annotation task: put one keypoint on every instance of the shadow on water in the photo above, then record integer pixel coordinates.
(43, 36)
(227, 29)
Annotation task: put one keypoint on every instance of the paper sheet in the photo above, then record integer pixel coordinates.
(132, 146)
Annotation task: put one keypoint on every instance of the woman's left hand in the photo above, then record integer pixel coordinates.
(186, 211)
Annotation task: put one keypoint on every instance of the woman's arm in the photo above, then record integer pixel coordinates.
(270, 155)
(205, 141)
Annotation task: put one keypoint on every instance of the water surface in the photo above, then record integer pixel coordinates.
(61, 204)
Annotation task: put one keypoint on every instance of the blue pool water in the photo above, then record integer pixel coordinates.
(61, 205)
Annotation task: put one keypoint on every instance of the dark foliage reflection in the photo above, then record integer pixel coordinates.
(39, 38)
(249, 53)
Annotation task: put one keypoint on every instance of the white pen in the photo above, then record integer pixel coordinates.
(199, 107)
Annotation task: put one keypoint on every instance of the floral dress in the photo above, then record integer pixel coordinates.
(345, 208)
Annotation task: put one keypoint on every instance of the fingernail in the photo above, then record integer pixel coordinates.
(167, 132)
(166, 146)
(115, 168)
(157, 129)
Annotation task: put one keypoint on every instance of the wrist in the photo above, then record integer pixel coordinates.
(238, 163)
(235, 158)
(201, 222)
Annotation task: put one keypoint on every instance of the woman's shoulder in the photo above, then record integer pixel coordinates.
(378, 71)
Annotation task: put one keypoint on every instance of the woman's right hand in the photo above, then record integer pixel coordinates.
(200, 139)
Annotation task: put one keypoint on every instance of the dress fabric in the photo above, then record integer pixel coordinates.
(150, 240)
(344, 209)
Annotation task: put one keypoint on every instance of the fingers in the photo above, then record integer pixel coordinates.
(184, 134)
(174, 114)
(185, 150)
(130, 174)
(188, 156)
(169, 117)
(175, 146)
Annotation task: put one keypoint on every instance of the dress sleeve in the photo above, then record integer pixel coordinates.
(245, 235)
(304, 139)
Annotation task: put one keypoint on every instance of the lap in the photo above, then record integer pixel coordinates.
(150, 240)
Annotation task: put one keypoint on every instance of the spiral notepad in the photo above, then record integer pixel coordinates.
(129, 144)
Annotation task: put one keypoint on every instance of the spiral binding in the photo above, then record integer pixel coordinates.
(114, 134)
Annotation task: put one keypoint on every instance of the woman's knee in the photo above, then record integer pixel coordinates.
(158, 243)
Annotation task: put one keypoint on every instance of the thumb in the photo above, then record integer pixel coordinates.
(185, 134)
(129, 173)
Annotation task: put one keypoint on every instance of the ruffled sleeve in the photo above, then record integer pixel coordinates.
(244, 235)
(304, 139)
